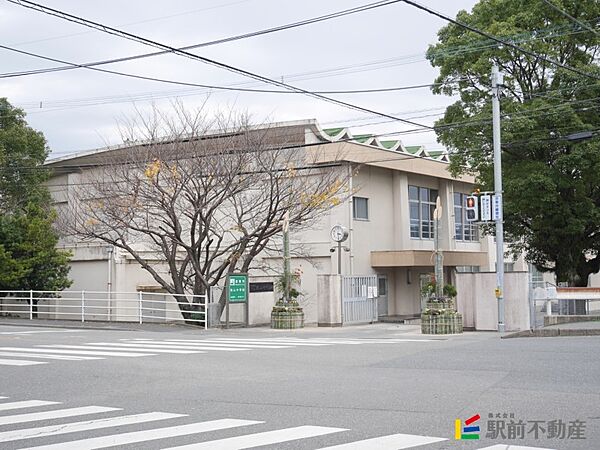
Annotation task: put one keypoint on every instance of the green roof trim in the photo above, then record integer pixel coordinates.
(389, 144)
(413, 148)
(333, 131)
(373, 141)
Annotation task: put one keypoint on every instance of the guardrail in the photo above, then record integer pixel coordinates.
(141, 307)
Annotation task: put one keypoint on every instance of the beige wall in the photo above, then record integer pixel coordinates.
(477, 302)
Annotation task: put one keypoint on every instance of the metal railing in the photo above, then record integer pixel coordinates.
(548, 300)
(141, 307)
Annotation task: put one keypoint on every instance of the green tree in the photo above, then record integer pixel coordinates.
(551, 183)
(29, 258)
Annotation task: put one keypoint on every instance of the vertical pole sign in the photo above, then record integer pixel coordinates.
(237, 292)
(486, 208)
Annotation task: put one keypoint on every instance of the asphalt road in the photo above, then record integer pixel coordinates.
(308, 389)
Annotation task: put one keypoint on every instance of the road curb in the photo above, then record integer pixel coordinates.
(553, 332)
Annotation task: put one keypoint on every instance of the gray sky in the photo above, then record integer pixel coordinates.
(80, 108)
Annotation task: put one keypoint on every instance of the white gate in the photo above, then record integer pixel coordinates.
(359, 299)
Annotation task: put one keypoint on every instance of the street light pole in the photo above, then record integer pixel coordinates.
(497, 81)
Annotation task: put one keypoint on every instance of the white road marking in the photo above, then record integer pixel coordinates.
(249, 342)
(391, 442)
(292, 341)
(259, 439)
(25, 404)
(73, 352)
(149, 435)
(19, 362)
(123, 347)
(87, 425)
(65, 357)
(211, 343)
(177, 345)
(41, 331)
(54, 414)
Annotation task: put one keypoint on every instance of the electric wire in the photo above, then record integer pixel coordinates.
(496, 39)
(212, 62)
(566, 14)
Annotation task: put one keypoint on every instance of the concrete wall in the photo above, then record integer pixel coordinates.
(477, 302)
(329, 300)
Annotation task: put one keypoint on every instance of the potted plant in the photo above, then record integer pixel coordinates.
(287, 313)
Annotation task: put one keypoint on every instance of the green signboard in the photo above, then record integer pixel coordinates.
(237, 288)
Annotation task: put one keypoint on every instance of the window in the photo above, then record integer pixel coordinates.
(421, 205)
(463, 230)
(360, 208)
(536, 275)
(467, 269)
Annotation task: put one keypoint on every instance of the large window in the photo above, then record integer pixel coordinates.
(421, 204)
(463, 230)
(360, 208)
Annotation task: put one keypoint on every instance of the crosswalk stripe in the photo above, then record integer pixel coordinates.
(54, 414)
(87, 425)
(301, 341)
(391, 442)
(74, 352)
(259, 439)
(64, 357)
(219, 344)
(149, 435)
(228, 348)
(25, 404)
(41, 331)
(513, 447)
(124, 348)
(250, 343)
(19, 362)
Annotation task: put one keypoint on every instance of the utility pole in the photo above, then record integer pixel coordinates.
(439, 259)
(286, 257)
(497, 81)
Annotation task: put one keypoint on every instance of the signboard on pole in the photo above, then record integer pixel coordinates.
(497, 207)
(486, 208)
(237, 287)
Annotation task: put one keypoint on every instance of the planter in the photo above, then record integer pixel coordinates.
(287, 320)
(441, 323)
(436, 306)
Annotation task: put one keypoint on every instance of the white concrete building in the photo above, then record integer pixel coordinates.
(389, 219)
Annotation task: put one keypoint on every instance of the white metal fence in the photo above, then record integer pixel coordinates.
(359, 299)
(141, 307)
(548, 300)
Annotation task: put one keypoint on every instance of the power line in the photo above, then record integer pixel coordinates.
(153, 19)
(139, 39)
(498, 40)
(566, 14)
(521, 38)
(287, 26)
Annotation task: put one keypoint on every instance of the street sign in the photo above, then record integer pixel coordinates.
(237, 287)
(486, 208)
(497, 207)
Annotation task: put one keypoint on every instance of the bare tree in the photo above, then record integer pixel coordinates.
(204, 198)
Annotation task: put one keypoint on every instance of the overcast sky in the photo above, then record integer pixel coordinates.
(79, 109)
